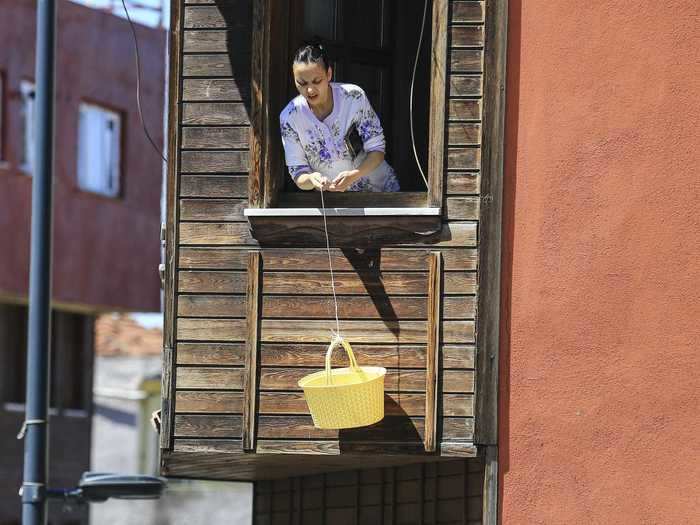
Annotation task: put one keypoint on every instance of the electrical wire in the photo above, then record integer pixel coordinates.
(413, 81)
(138, 84)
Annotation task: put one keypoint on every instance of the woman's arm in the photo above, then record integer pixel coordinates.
(309, 181)
(345, 179)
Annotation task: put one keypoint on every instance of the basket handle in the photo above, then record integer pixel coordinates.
(348, 350)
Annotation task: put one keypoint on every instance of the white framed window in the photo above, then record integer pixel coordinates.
(99, 150)
(28, 106)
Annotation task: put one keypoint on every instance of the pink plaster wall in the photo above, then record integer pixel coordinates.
(600, 355)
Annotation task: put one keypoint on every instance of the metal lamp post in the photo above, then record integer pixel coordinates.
(35, 426)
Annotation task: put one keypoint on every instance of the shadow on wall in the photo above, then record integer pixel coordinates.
(237, 15)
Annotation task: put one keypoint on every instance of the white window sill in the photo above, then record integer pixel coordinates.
(341, 212)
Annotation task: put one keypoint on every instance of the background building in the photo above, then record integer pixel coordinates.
(106, 216)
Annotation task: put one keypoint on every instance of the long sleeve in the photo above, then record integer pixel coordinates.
(368, 125)
(294, 155)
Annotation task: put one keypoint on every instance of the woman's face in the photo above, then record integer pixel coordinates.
(312, 82)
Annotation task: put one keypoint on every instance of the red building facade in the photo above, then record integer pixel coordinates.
(105, 243)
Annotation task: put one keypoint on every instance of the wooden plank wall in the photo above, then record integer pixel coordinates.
(445, 493)
(383, 293)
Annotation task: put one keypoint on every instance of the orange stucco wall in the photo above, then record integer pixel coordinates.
(600, 354)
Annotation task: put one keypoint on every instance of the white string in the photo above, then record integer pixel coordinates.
(330, 265)
(410, 105)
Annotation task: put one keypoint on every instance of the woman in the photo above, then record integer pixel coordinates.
(317, 128)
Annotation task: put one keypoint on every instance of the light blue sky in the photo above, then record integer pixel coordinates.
(142, 16)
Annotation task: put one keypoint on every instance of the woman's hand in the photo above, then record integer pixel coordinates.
(344, 180)
(309, 181)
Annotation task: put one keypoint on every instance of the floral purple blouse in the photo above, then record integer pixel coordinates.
(312, 145)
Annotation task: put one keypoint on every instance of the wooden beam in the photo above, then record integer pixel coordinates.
(250, 385)
(490, 490)
(259, 100)
(438, 87)
(171, 226)
(490, 223)
(433, 348)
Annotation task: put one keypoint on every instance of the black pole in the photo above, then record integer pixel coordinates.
(36, 465)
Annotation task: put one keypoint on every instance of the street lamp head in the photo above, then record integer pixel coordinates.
(98, 487)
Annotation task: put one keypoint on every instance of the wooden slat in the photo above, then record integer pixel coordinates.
(466, 61)
(206, 378)
(438, 88)
(223, 402)
(463, 158)
(207, 41)
(401, 429)
(218, 65)
(463, 134)
(211, 282)
(214, 114)
(432, 351)
(311, 331)
(391, 356)
(464, 109)
(465, 85)
(467, 11)
(462, 208)
(212, 17)
(212, 258)
(466, 36)
(213, 210)
(490, 223)
(211, 402)
(288, 378)
(305, 448)
(224, 186)
(231, 233)
(460, 183)
(231, 354)
(200, 425)
(250, 387)
(387, 259)
(374, 283)
(211, 306)
(360, 307)
(215, 138)
(215, 329)
(214, 161)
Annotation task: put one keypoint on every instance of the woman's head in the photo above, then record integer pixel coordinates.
(312, 73)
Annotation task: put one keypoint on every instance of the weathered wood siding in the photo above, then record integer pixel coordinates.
(384, 292)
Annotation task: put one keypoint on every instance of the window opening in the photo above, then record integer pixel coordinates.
(28, 104)
(99, 150)
(373, 44)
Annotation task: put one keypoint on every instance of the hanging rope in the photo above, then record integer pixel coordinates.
(330, 265)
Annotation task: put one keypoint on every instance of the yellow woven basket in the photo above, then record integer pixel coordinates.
(345, 397)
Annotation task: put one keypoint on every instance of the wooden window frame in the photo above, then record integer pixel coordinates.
(270, 26)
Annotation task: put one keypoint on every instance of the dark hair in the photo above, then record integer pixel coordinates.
(312, 53)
